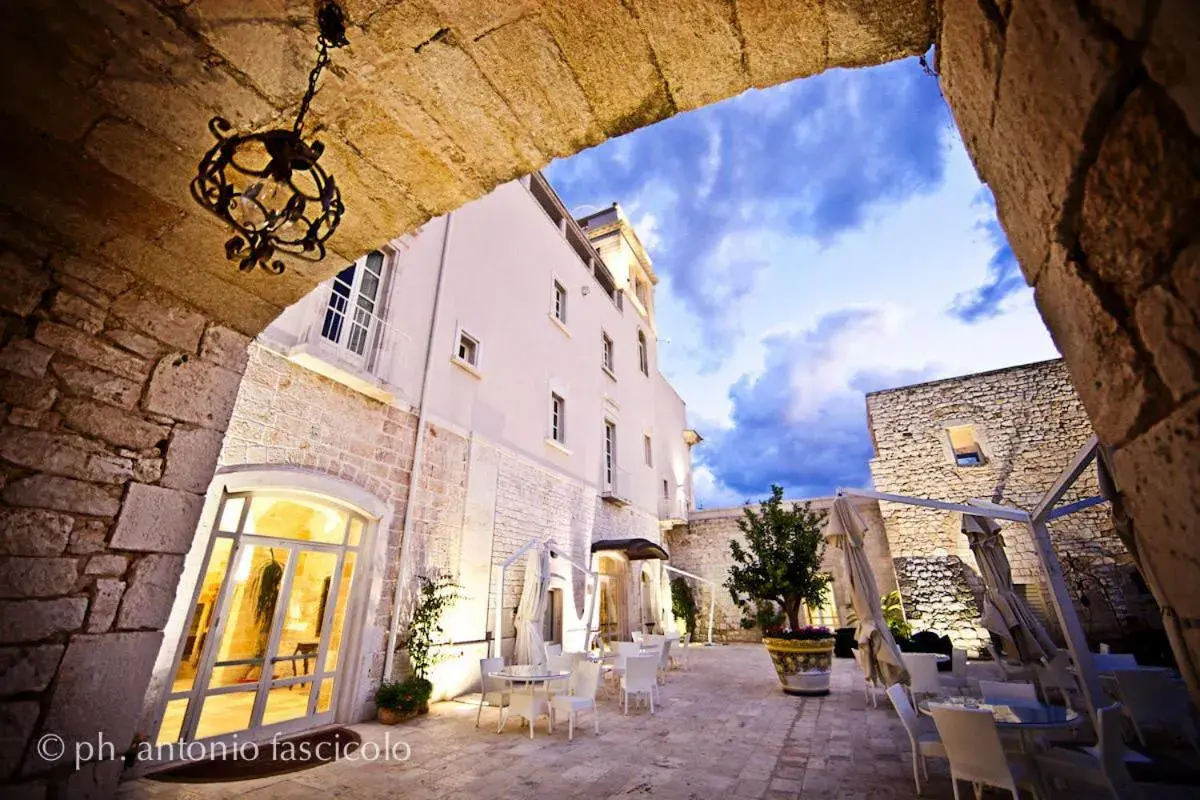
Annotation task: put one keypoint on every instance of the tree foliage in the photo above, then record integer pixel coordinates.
(781, 560)
(683, 604)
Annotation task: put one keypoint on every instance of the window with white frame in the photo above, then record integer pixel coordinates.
(606, 344)
(964, 446)
(467, 350)
(558, 418)
(559, 307)
(610, 454)
(643, 354)
(352, 311)
(648, 448)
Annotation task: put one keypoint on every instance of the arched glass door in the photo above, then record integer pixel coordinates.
(263, 647)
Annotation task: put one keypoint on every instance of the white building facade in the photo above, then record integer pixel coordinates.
(490, 381)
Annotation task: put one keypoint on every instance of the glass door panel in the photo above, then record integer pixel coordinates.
(203, 615)
(304, 616)
(286, 703)
(294, 518)
(249, 613)
(225, 713)
(337, 624)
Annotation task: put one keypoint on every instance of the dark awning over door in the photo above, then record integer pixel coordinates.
(634, 549)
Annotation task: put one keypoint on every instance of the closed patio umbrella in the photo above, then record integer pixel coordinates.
(878, 654)
(1005, 613)
(531, 608)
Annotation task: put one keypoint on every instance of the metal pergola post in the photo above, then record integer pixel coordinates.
(712, 599)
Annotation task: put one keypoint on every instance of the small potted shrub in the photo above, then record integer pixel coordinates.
(398, 701)
(780, 566)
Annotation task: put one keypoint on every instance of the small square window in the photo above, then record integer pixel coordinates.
(558, 418)
(468, 349)
(607, 356)
(648, 447)
(964, 446)
(560, 303)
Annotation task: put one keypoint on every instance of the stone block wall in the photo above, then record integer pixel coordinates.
(114, 396)
(702, 548)
(1030, 423)
(1084, 118)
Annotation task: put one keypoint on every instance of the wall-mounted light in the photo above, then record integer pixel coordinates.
(268, 187)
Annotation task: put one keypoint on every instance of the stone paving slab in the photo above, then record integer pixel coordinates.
(723, 730)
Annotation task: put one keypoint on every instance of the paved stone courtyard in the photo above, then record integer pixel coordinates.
(723, 730)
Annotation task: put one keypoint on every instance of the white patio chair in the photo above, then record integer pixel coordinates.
(975, 753)
(560, 663)
(957, 678)
(1057, 682)
(1102, 764)
(681, 657)
(492, 692)
(1108, 662)
(921, 733)
(1152, 699)
(641, 677)
(922, 673)
(1009, 671)
(637, 636)
(585, 680)
(1016, 692)
(553, 650)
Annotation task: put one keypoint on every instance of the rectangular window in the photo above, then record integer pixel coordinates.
(560, 303)
(666, 490)
(610, 454)
(648, 447)
(558, 419)
(643, 357)
(468, 349)
(965, 446)
(607, 351)
(351, 313)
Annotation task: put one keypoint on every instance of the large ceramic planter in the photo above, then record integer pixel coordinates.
(803, 667)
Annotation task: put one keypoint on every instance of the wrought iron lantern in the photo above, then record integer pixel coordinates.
(268, 187)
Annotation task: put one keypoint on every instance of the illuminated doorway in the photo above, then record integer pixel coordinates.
(267, 630)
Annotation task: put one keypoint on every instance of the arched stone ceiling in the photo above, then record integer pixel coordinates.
(433, 104)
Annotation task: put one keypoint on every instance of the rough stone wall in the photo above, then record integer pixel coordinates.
(1084, 118)
(114, 397)
(702, 548)
(1030, 424)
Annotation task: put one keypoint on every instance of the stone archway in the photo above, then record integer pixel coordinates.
(125, 328)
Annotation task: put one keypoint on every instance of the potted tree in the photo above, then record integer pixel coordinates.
(780, 566)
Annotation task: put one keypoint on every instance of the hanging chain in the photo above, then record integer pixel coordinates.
(322, 60)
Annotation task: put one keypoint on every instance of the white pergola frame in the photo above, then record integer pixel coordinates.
(712, 600)
(1046, 510)
(497, 639)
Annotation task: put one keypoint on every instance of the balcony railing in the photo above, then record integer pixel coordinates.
(672, 509)
(615, 485)
(348, 343)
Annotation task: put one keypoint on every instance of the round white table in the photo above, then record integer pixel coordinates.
(1022, 716)
(528, 705)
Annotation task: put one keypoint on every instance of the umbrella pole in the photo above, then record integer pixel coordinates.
(1068, 618)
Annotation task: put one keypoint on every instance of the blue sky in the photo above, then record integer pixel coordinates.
(814, 241)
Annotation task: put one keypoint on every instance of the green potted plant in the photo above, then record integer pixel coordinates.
(400, 700)
(397, 701)
(780, 568)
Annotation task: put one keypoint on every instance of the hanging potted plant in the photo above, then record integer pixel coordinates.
(264, 589)
(779, 569)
